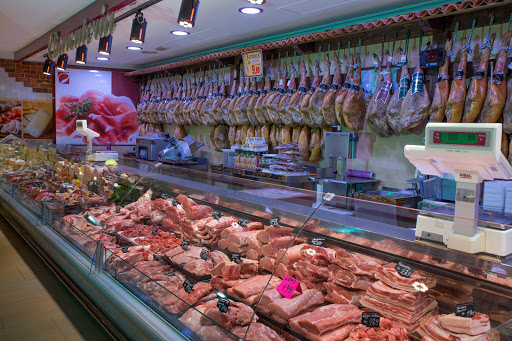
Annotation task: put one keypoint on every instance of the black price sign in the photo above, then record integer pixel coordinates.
(223, 305)
(274, 221)
(498, 78)
(188, 286)
(243, 222)
(164, 196)
(371, 320)
(465, 310)
(184, 244)
(204, 254)
(118, 209)
(125, 249)
(118, 173)
(404, 270)
(174, 202)
(155, 232)
(317, 241)
(216, 215)
(432, 58)
(236, 257)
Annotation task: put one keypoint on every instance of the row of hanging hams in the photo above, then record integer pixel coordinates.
(326, 101)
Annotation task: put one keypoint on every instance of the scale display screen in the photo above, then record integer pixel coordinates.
(143, 152)
(460, 138)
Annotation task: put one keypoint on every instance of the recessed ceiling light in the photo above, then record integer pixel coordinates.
(250, 10)
(93, 71)
(180, 33)
(257, 2)
(135, 48)
(102, 58)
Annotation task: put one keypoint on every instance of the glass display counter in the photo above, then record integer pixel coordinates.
(207, 256)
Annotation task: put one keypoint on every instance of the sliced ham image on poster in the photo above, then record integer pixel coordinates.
(113, 117)
(10, 117)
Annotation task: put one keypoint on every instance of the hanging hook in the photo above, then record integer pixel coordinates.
(468, 42)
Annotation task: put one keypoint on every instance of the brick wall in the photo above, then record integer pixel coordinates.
(30, 73)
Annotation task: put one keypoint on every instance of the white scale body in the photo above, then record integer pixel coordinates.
(100, 156)
(472, 153)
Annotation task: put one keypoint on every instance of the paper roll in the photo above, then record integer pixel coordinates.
(360, 174)
(39, 123)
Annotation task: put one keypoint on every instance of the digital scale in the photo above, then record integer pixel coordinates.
(98, 156)
(471, 152)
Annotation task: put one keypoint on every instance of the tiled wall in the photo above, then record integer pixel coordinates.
(24, 80)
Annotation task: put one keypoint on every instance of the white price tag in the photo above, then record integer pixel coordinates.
(328, 196)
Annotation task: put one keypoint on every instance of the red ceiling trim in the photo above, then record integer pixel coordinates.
(436, 11)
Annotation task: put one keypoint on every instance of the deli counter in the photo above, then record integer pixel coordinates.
(156, 254)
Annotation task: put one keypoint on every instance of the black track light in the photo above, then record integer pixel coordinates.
(257, 2)
(81, 55)
(48, 66)
(105, 45)
(138, 28)
(188, 13)
(62, 62)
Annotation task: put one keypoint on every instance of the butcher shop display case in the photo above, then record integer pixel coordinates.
(163, 256)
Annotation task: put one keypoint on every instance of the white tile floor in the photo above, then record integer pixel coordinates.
(34, 305)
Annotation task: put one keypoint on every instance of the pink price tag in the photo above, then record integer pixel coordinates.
(288, 286)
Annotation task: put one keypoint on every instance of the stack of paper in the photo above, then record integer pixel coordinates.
(494, 195)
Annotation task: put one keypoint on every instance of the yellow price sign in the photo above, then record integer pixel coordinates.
(253, 63)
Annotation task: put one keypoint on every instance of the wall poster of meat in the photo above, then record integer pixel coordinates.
(10, 117)
(37, 120)
(113, 117)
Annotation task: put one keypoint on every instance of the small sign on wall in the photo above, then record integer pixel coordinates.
(253, 63)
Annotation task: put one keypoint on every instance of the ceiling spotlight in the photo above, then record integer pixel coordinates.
(102, 58)
(138, 28)
(81, 55)
(62, 62)
(93, 71)
(135, 48)
(250, 10)
(105, 45)
(188, 13)
(180, 33)
(257, 2)
(48, 66)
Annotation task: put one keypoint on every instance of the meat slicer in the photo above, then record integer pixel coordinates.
(98, 156)
(472, 153)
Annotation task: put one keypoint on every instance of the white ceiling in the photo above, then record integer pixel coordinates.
(218, 24)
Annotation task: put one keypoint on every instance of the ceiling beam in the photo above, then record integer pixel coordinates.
(91, 12)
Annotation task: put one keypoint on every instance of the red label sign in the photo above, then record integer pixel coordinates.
(288, 286)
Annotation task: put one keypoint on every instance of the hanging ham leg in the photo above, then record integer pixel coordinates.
(315, 105)
(232, 135)
(217, 103)
(251, 113)
(455, 105)
(328, 109)
(265, 133)
(304, 105)
(376, 113)
(243, 103)
(275, 98)
(478, 87)
(342, 93)
(260, 110)
(507, 111)
(304, 142)
(354, 106)
(416, 105)
(315, 146)
(286, 116)
(394, 108)
(225, 103)
(442, 89)
(296, 134)
(497, 92)
(298, 96)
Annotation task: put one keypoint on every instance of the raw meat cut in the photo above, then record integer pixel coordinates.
(237, 314)
(211, 332)
(434, 330)
(387, 330)
(329, 317)
(257, 332)
(315, 104)
(497, 91)
(357, 263)
(354, 105)
(339, 295)
(255, 285)
(376, 111)
(348, 279)
(392, 278)
(475, 325)
(287, 308)
(382, 292)
(334, 335)
(394, 108)
(180, 300)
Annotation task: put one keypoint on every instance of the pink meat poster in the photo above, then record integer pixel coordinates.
(113, 117)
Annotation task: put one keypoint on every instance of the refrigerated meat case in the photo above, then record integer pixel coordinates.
(95, 270)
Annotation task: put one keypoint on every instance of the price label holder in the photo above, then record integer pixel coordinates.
(329, 196)
(184, 244)
(288, 286)
(124, 249)
(432, 58)
(223, 305)
(253, 63)
(155, 232)
(317, 241)
(243, 222)
(236, 257)
(188, 285)
(216, 215)
(118, 209)
(404, 270)
(371, 320)
(164, 196)
(275, 221)
(174, 202)
(204, 254)
(465, 310)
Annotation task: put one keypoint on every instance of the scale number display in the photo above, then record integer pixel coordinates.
(460, 138)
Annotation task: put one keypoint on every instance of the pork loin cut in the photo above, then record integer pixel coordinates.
(348, 279)
(327, 318)
(357, 263)
(392, 278)
(334, 335)
(475, 325)
(237, 314)
(255, 285)
(339, 295)
(288, 308)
